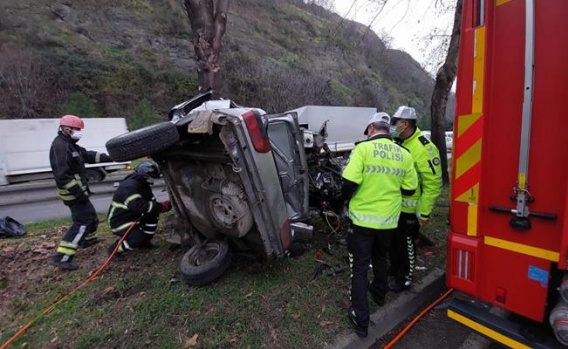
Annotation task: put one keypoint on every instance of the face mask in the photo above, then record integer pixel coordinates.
(76, 135)
(395, 133)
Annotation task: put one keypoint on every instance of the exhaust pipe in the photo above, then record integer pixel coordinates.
(559, 320)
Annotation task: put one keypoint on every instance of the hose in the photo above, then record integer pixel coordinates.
(416, 319)
(49, 309)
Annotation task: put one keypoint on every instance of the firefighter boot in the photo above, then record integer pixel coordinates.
(118, 256)
(63, 261)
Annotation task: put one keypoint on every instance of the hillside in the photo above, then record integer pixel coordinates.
(134, 58)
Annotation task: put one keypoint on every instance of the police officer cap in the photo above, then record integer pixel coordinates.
(404, 112)
(380, 117)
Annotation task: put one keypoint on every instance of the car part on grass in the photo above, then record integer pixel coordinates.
(206, 262)
(9, 227)
(142, 142)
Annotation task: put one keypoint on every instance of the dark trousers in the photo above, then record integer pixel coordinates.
(140, 235)
(402, 253)
(367, 246)
(84, 227)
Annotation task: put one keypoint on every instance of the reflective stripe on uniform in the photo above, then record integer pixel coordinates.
(409, 203)
(68, 248)
(373, 219)
(385, 170)
(122, 227)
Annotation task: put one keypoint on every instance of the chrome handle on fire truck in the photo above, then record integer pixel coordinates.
(522, 177)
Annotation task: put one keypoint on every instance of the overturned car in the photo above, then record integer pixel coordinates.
(237, 178)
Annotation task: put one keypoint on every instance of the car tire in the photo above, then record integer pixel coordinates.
(206, 262)
(143, 142)
(94, 175)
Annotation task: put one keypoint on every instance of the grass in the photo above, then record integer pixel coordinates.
(143, 302)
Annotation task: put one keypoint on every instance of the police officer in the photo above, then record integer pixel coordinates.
(377, 174)
(134, 203)
(68, 164)
(416, 208)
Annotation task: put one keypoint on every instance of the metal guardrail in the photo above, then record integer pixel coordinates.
(46, 190)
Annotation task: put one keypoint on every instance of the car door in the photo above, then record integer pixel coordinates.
(287, 142)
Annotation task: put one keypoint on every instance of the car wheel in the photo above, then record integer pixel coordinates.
(205, 263)
(228, 210)
(94, 175)
(143, 142)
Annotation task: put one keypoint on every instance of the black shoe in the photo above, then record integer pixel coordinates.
(361, 331)
(89, 243)
(398, 286)
(377, 297)
(68, 265)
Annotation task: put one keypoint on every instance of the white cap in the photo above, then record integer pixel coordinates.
(404, 112)
(380, 117)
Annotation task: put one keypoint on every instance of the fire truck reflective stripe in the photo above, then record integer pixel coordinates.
(471, 157)
(478, 70)
(511, 343)
(524, 249)
(472, 220)
(501, 2)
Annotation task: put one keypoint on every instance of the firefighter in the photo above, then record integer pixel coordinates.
(376, 175)
(68, 164)
(416, 208)
(134, 203)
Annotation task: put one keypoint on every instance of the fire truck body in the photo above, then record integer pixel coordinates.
(509, 192)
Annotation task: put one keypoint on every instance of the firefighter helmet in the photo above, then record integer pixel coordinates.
(147, 169)
(71, 121)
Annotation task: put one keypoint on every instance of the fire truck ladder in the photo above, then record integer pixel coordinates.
(520, 192)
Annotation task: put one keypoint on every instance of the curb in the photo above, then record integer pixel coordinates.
(396, 311)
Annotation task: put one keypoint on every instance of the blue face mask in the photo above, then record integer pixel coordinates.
(395, 133)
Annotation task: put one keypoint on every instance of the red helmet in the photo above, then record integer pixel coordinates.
(72, 121)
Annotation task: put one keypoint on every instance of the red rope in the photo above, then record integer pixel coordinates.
(49, 309)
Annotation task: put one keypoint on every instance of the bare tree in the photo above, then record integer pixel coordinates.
(444, 80)
(208, 19)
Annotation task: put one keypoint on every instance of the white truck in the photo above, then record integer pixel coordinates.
(345, 125)
(25, 143)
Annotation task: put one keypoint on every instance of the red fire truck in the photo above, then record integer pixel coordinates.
(508, 244)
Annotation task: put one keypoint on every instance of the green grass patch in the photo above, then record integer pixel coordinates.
(143, 301)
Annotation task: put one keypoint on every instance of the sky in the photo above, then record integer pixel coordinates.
(407, 22)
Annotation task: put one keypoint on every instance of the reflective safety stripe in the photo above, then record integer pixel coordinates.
(385, 170)
(125, 246)
(98, 157)
(118, 205)
(409, 203)
(67, 248)
(373, 219)
(149, 232)
(71, 184)
(131, 198)
(122, 227)
(80, 234)
(151, 206)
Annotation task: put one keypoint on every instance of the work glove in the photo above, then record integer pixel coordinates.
(166, 206)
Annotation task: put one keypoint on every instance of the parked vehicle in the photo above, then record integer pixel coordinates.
(508, 244)
(237, 179)
(25, 144)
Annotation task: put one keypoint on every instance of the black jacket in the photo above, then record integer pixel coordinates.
(130, 201)
(68, 165)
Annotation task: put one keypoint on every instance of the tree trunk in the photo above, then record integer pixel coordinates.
(208, 23)
(444, 80)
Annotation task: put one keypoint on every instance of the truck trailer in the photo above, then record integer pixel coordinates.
(25, 144)
(508, 239)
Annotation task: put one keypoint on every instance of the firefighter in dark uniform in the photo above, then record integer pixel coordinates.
(68, 164)
(377, 174)
(416, 208)
(134, 203)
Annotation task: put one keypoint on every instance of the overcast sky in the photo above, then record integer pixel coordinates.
(407, 21)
